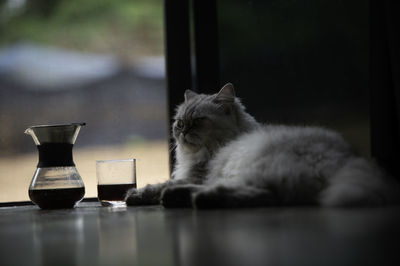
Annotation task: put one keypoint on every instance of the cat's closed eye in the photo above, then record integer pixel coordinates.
(199, 120)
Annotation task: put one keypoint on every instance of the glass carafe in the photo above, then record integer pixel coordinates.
(56, 183)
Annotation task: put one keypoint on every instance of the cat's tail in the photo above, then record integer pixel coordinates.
(360, 183)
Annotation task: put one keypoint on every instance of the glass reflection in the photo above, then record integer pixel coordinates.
(117, 237)
(57, 241)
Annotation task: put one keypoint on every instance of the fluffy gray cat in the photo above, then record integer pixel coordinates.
(225, 159)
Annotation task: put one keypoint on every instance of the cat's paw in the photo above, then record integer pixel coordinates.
(149, 195)
(207, 199)
(178, 196)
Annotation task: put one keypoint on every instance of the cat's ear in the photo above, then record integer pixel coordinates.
(226, 94)
(189, 94)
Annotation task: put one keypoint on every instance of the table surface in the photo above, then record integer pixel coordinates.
(95, 235)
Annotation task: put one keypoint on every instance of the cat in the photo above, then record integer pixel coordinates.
(226, 159)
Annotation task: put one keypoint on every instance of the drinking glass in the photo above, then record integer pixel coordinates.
(114, 179)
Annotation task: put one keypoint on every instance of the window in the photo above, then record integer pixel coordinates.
(94, 61)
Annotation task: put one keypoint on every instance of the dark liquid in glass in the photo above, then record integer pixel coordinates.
(63, 198)
(113, 192)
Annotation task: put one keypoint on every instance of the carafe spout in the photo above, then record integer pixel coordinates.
(29, 131)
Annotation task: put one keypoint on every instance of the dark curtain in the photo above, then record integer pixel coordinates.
(385, 83)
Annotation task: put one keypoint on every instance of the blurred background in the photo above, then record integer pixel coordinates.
(94, 61)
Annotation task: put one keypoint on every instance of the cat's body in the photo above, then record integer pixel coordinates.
(224, 158)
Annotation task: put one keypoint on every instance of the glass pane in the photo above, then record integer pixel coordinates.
(300, 62)
(94, 61)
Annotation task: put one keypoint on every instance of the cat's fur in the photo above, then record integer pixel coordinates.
(224, 158)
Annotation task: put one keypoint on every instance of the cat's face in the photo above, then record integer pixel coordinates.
(204, 120)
